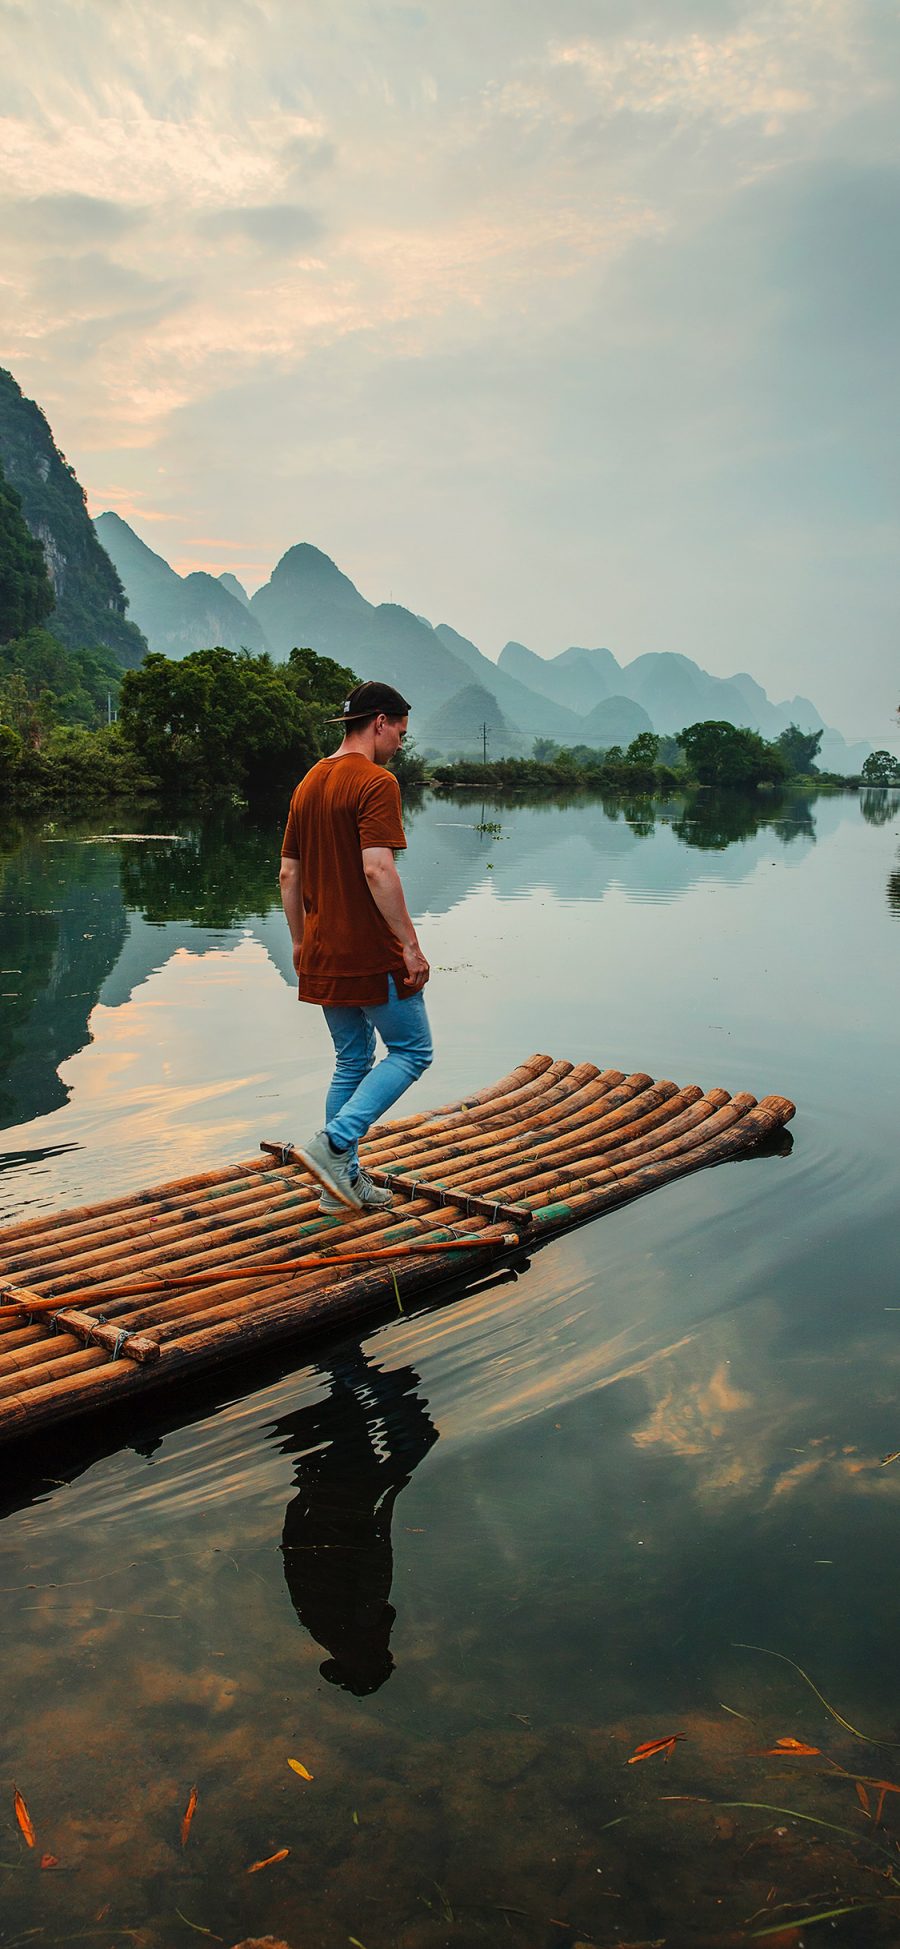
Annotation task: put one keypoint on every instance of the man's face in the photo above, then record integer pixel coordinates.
(389, 735)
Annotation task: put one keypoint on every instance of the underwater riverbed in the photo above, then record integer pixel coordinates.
(458, 1571)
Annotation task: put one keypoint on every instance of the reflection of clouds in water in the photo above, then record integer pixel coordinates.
(176, 1078)
(689, 1422)
(750, 1443)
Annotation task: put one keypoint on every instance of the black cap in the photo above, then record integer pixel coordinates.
(370, 700)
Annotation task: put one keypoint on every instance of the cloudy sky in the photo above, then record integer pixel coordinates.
(569, 322)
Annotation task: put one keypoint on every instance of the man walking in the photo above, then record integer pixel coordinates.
(355, 948)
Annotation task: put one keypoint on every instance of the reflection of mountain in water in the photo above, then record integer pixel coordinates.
(581, 849)
(354, 1452)
(63, 925)
(85, 922)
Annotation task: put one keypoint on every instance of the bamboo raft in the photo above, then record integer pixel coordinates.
(110, 1300)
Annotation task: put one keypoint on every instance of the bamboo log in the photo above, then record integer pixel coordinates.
(467, 1201)
(753, 1127)
(518, 1078)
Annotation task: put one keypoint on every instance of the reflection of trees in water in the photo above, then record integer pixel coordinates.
(219, 872)
(63, 928)
(893, 891)
(354, 1452)
(879, 805)
(711, 821)
(704, 820)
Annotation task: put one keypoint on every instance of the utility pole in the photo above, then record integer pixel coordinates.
(484, 743)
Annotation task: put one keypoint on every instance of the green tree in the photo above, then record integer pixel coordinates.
(881, 768)
(224, 721)
(717, 753)
(26, 592)
(78, 685)
(643, 750)
(544, 750)
(799, 749)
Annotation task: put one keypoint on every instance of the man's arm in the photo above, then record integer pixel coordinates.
(383, 882)
(290, 880)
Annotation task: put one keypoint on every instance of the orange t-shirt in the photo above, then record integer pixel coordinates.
(342, 805)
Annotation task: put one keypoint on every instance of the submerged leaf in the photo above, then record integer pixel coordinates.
(651, 1746)
(269, 1861)
(863, 1799)
(784, 1747)
(188, 1816)
(24, 1819)
(49, 1861)
(297, 1766)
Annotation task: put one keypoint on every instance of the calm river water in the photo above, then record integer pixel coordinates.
(462, 1568)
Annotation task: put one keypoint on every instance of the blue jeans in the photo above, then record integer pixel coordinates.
(359, 1092)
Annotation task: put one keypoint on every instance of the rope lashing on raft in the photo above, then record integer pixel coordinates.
(471, 1203)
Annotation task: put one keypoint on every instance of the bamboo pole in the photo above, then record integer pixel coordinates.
(525, 1072)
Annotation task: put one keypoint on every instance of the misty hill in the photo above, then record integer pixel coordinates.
(675, 691)
(90, 602)
(459, 728)
(582, 696)
(523, 705)
(235, 588)
(177, 613)
(309, 601)
(577, 678)
(615, 720)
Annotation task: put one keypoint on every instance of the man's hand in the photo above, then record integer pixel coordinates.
(291, 882)
(417, 969)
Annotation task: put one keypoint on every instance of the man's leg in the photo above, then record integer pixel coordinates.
(331, 1155)
(354, 1048)
(402, 1024)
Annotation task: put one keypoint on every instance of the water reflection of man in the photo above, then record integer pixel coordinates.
(355, 1451)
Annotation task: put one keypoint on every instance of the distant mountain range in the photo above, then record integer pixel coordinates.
(582, 696)
(461, 699)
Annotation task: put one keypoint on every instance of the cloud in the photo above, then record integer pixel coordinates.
(69, 218)
(272, 226)
(94, 284)
(577, 293)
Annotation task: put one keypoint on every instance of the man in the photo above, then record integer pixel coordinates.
(355, 948)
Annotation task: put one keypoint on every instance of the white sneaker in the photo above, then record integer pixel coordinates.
(331, 1169)
(373, 1197)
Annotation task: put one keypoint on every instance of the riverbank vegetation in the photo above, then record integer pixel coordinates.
(223, 725)
(711, 754)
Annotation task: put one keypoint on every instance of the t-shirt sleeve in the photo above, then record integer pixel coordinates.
(380, 823)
